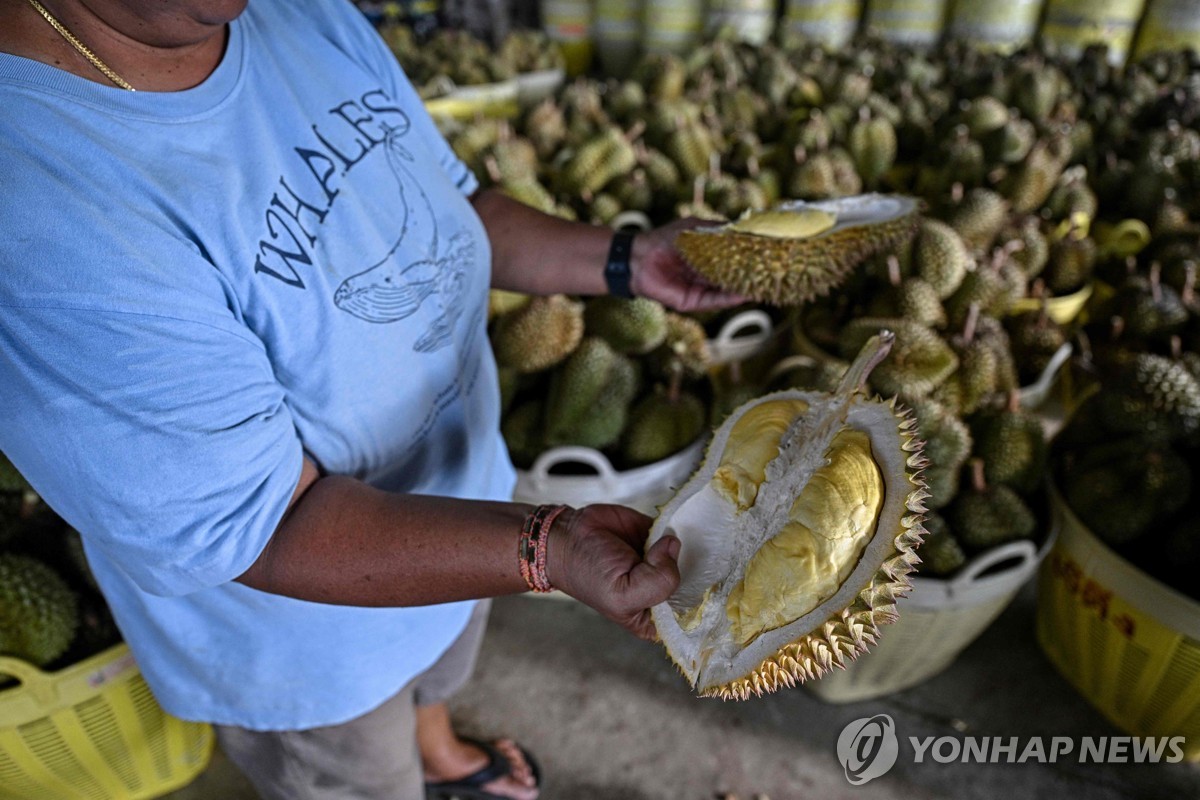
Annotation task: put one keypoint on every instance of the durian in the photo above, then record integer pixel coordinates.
(941, 554)
(661, 425)
(985, 516)
(797, 535)
(589, 396)
(539, 334)
(38, 611)
(797, 251)
(633, 327)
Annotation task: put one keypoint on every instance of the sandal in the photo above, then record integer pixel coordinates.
(471, 786)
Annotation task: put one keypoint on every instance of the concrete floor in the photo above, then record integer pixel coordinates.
(611, 720)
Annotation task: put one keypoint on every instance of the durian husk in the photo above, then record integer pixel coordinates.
(793, 270)
(843, 625)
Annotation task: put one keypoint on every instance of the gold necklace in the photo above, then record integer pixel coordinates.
(83, 50)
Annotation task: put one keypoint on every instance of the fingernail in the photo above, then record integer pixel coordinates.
(673, 545)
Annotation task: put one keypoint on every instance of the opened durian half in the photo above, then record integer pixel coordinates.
(789, 254)
(797, 536)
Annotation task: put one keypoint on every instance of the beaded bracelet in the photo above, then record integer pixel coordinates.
(531, 547)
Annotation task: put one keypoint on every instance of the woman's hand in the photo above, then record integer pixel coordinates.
(595, 555)
(661, 273)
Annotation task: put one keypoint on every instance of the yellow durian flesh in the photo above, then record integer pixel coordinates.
(805, 563)
(795, 554)
(781, 223)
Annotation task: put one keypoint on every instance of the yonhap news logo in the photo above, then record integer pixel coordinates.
(869, 747)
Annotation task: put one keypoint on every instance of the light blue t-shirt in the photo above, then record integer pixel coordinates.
(199, 288)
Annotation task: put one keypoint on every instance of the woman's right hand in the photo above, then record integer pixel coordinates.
(595, 554)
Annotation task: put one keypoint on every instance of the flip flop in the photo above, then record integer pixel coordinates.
(471, 786)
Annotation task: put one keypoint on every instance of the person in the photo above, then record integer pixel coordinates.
(243, 351)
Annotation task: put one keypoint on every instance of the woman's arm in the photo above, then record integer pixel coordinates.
(346, 543)
(537, 253)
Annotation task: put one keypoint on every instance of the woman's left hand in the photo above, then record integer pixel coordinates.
(660, 272)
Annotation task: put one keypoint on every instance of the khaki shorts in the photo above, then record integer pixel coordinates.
(373, 757)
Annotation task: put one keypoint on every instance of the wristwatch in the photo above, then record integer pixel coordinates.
(616, 272)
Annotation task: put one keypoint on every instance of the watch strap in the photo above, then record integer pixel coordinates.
(617, 274)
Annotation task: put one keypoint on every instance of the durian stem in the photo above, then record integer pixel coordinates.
(1156, 281)
(972, 323)
(873, 352)
(675, 383)
(893, 267)
(978, 481)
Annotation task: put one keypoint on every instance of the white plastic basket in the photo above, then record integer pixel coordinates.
(643, 488)
(743, 336)
(830, 22)
(937, 621)
(533, 87)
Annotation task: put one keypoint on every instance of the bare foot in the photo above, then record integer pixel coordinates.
(458, 761)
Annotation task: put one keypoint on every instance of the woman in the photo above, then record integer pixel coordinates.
(243, 351)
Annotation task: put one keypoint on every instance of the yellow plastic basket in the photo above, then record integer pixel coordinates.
(1126, 642)
(93, 731)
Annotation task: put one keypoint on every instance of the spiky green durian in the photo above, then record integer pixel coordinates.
(943, 484)
(633, 327)
(797, 251)
(589, 397)
(918, 300)
(1151, 395)
(1031, 184)
(684, 350)
(538, 335)
(979, 218)
(522, 430)
(38, 611)
(985, 516)
(660, 426)
(1029, 246)
(1012, 445)
(1072, 261)
(919, 360)
(599, 161)
(1035, 339)
(873, 146)
(985, 114)
(941, 257)
(947, 438)
(1122, 489)
(941, 554)
(797, 535)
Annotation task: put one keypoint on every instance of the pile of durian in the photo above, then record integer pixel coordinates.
(622, 376)
(450, 58)
(51, 613)
(1041, 179)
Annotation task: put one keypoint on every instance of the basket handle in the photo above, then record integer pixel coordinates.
(743, 322)
(1024, 550)
(540, 470)
(1061, 356)
(23, 671)
(631, 219)
(786, 365)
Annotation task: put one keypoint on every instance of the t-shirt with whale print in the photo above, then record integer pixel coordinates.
(201, 288)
